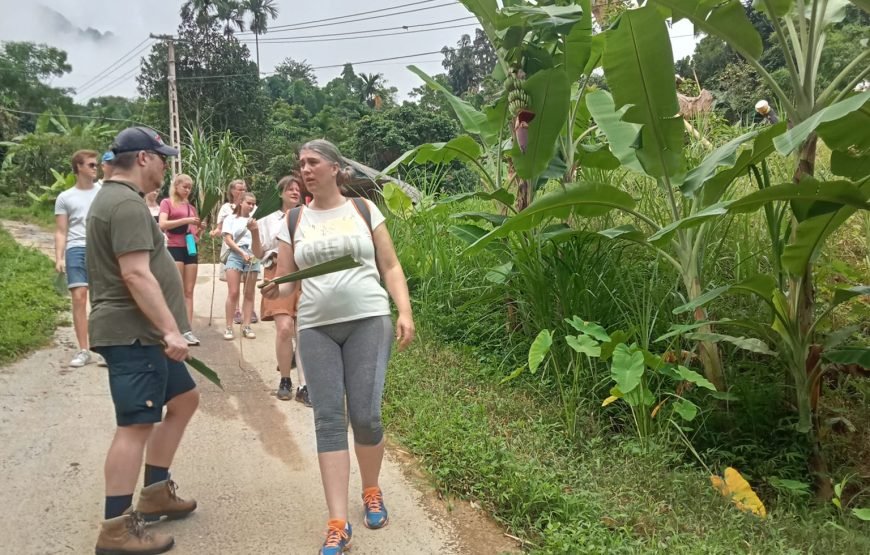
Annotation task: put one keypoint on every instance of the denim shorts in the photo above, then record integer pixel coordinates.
(236, 262)
(142, 380)
(76, 268)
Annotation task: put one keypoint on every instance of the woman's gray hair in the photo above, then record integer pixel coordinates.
(331, 154)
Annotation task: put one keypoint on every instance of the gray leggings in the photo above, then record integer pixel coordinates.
(347, 360)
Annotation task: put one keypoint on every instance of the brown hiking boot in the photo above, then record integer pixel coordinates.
(126, 535)
(159, 500)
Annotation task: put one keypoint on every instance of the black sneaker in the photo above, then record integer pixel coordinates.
(302, 395)
(285, 387)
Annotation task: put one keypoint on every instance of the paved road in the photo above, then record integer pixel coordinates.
(248, 459)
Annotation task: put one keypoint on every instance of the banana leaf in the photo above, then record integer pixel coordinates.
(344, 263)
(203, 369)
(60, 284)
(269, 202)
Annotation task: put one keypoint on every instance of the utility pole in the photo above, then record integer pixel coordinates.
(174, 125)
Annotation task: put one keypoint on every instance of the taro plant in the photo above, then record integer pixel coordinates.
(651, 387)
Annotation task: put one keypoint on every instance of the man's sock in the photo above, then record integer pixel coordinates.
(117, 504)
(154, 474)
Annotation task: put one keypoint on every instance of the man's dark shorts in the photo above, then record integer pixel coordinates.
(142, 380)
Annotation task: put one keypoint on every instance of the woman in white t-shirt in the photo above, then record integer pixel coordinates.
(345, 329)
(242, 238)
(233, 197)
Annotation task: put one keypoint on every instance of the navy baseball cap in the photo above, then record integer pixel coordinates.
(134, 139)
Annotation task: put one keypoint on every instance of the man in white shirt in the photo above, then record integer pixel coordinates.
(70, 215)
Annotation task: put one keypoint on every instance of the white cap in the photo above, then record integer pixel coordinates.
(761, 105)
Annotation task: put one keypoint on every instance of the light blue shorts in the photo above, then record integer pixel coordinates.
(76, 268)
(236, 262)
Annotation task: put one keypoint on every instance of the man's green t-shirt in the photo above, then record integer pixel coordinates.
(119, 222)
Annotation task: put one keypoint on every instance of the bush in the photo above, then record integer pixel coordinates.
(29, 162)
(28, 300)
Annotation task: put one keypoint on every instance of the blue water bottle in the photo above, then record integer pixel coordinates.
(191, 244)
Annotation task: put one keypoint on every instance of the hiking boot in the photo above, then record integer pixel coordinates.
(191, 339)
(248, 333)
(159, 500)
(376, 512)
(285, 387)
(302, 395)
(80, 359)
(126, 535)
(338, 535)
(228, 334)
(237, 318)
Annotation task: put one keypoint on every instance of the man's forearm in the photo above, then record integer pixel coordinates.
(59, 246)
(149, 298)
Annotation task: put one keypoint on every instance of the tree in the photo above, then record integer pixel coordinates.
(372, 89)
(293, 70)
(261, 12)
(232, 15)
(23, 68)
(429, 99)
(199, 10)
(470, 63)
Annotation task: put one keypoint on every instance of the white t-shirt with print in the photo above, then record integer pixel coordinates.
(324, 235)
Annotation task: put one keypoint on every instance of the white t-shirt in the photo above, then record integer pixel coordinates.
(324, 235)
(74, 204)
(237, 226)
(269, 227)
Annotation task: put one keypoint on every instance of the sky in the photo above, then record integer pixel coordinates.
(97, 33)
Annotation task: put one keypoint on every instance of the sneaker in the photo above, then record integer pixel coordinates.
(302, 395)
(248, 333)
(254, 318)
(101, 361)
(80, 359)
(376, 511)
(285, 386)
(127, 534)
(160, 499)
(338, 535)
(190, 338)
(237, 319)
(228, 334)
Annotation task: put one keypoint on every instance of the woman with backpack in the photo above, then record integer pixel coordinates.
(345, 330)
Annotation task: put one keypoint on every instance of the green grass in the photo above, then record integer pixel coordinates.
(42, 216)
(504, 448)
(29, 303)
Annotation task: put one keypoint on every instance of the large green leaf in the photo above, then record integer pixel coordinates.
(849, 355)
(746, 343)
(848, 166)
(503, 196)
(863, 4)
(339, 264)
(723, 157)
(205, 370)
(844, 294)
(539, 349)
(397, 200)
(687, 410)
(550, 93)
(621, 134)
(462, 147)
(691, 376)
(471, 119)
(639, 67)
(626, 368)
(848, 132)
(716, 186)
(702, 299)
(832, 193)
(578, 43)
(487, 14)
(774, 8)
(725, 19)
(795, 137)
(589, 328)
(584, 199)
(494, 219)
(810, 235)
(664, 235)
(560, 18)
(584, 344)
(467, 232)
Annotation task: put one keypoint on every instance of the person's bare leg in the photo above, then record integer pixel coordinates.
(167, 435)
(369, 458)
(124, 458)
(250, 291)
(335, 475)
(233, 279)
(189, 280)
(79, 297)
(284, 332)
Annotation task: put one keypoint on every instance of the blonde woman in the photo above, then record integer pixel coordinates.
(233, 197)
(242, 238)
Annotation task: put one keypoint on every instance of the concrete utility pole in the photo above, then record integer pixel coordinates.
(174, 125)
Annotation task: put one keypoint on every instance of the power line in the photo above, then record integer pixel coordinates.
(73, 116)
(368, 12)
(399, 34)
(271, 38)
(113, 83)
(108, 73)
(361, 18)
(111, 67)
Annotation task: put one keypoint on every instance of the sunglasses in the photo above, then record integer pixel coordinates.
(92, 165)
(157, 154)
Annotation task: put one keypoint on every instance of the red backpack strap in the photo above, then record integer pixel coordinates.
(293, 221)
(363, 209)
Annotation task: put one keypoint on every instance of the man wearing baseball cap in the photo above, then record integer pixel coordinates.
(137, 311)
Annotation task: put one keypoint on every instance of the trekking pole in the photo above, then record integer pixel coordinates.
(213, 279)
